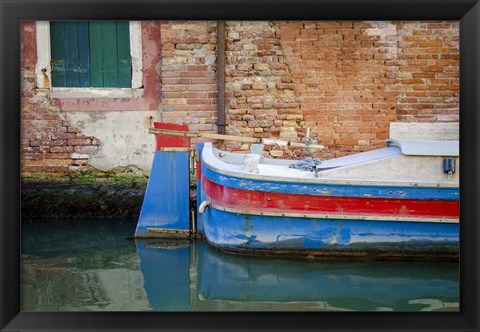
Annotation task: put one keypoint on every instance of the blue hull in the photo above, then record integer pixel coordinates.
(323, 237)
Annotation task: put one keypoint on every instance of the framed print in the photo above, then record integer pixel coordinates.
(134, 67)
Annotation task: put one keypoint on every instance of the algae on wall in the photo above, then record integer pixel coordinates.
(84, 195)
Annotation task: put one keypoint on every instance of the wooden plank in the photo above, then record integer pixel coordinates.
(57, 42)
(171, 132)
(231, 138)
(174, 149)
(110, 59)
(206, 135)
(124, 58)
(72, 60)
(84, 54)
(303, 145)
(336, 216)
(96, 54)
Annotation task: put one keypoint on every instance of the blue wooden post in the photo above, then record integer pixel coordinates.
(165, 210)
(200, 194)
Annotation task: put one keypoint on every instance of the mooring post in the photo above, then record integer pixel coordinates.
(165, 210)
(200, 194)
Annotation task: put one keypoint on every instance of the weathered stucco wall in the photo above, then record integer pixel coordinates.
(347, 80)
(124, 137)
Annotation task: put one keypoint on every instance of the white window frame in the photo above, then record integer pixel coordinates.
(43, 70)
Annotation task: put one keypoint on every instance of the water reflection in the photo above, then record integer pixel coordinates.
(219, 281)
(94, 266)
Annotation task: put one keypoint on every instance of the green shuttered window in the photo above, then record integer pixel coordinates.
(90, 54)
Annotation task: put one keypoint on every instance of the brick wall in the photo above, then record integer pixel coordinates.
(188, 71)
(428, 71)
(50, 146)
(346, 80)
(262, 99)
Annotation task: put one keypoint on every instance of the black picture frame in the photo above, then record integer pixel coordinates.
(14, 11)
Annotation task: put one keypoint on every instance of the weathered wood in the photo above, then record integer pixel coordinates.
(72, 59)
(84, 54)
(253, 201)
(57, 35)
(232, 138)
(124, 76)
(175, 149)
(110, 54)
(96, 54)
(444, 220)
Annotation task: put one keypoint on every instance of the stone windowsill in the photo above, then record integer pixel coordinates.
(91, 92)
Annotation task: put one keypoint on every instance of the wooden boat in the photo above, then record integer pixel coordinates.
(401, 201)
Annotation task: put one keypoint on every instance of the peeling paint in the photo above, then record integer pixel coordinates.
(124, 137)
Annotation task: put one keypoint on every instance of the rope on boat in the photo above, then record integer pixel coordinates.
(307, 164)
(232, 138)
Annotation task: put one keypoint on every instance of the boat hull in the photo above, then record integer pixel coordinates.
(322, 237)
(356, 218)
(277, 212)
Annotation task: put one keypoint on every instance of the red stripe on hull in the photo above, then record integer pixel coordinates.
(248, 200)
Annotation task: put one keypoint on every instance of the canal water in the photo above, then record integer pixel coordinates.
(98, 266)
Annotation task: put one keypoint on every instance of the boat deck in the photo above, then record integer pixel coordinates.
(388, 164)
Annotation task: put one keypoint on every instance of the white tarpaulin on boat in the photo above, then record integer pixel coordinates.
(426, 147)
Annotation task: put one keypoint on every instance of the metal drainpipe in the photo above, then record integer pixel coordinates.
(221, 76)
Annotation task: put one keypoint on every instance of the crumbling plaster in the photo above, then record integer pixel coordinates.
(124, 138)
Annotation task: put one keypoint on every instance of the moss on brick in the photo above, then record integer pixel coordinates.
(92, 194)
(111, 177)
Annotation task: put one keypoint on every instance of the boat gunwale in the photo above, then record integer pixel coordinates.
(207, 152)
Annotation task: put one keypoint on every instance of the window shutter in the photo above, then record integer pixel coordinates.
(110, 54)
(91, 54)
(96, 54)
(110, 59)
(84, 54)
(57, 41)
(70, 54)
(124, 57)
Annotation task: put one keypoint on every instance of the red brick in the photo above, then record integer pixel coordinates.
(61, 149)
(197, 68)
(80, 141)
(84, 149)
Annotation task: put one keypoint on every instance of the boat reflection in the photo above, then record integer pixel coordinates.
(183, 276)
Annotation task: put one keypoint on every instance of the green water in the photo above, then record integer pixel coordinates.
(97, 266)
